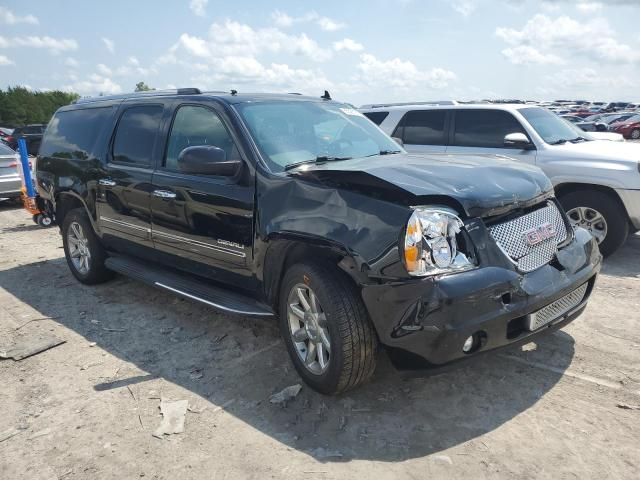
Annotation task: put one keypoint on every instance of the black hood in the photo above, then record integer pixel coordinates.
(482, 185)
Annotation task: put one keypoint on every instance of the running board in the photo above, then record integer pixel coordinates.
(188, 287)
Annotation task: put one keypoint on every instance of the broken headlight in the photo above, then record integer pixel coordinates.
(431, 243)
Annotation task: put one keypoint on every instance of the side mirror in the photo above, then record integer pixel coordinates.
(207, 160)
(398, 140)
(518, 140)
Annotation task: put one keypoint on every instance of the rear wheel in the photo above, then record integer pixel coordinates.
(325, 326)
(599, 213)
(83, 251)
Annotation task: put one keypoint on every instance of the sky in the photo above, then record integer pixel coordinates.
(361, 51)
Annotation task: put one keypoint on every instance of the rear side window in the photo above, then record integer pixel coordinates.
(423, 127)
(484, 128)
(376, 117)
(136, 135)
(73, 133)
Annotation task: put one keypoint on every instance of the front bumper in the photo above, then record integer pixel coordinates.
(430, 318)
(631, 201)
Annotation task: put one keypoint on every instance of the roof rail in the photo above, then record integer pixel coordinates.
(405, 104)
(150, 93)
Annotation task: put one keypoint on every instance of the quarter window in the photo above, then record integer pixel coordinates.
(136, 135)
(376, 117)
(423, 127)
(484, 128)
(195, 126)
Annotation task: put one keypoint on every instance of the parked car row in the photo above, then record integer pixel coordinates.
(32, 135)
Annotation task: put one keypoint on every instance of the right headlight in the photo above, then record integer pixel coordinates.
(430, 243)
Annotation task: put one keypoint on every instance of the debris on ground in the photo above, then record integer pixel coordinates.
(92, 344)
(530, 347)
(7, 434)
(442, 459)
(322, 453)
(286, 394)
(626, 406)
(29, 347)
(41, 433)
(173, 414)
(196, 374)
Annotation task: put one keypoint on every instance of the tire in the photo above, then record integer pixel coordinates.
(614, 214)
(354, 344)
(95, 271)
(44, 221)
(635, 134)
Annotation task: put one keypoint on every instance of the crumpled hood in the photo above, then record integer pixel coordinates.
(482, 184)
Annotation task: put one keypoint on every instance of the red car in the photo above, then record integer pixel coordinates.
(629, 128)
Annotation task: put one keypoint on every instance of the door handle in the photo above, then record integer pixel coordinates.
(163, 194)
(107, 182)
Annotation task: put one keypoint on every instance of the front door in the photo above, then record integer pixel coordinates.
(205, 221)
(482, 131)
(124, 184)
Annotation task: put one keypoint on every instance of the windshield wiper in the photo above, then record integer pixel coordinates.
(319, 159)
(562, 141)
(579, 139)
(383, 152)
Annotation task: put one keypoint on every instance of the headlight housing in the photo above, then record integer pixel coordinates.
(430, 243)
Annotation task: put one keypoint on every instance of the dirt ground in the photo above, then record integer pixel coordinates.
(87, 409)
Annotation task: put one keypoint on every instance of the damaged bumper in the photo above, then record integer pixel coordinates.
(431, 318)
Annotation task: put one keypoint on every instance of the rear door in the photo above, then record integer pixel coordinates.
(202, 220)
(482, 131)
(423, 131)
(124, 186)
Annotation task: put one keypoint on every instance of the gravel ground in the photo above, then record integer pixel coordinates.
(87, 409)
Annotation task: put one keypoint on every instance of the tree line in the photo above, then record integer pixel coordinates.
(20, 106)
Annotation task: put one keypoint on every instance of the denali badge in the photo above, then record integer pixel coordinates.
(539, 234)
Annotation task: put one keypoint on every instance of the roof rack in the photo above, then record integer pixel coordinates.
(150, 93)
(405, 104)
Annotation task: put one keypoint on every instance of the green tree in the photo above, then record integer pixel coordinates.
(143, 87)
(19, 106)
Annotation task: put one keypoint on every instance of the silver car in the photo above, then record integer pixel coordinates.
(10, 182)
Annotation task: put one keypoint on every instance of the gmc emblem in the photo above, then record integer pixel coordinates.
(539, 234)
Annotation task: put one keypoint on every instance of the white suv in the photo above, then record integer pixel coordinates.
(598, 182)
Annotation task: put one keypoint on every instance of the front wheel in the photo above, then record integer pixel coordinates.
(325, 326)
(635, 134)
(83, 251)
(599, 213)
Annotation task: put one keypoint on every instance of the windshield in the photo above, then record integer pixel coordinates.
(290, 132)
(553, 129)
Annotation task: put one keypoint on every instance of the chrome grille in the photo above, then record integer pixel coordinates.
(557, 308)
(511, 237)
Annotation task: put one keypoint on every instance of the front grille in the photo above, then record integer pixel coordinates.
(511, 236)
(557, 308)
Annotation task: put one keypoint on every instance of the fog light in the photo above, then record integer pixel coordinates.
(468, 344)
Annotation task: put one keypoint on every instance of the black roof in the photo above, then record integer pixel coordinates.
(226, 96)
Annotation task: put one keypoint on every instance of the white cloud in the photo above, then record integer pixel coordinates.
(465, 7)
(110, 44)
(133, 61)
(575, 78)
(71, 62)
(198, 7)
(402, 74)
(528, 55)
(348, 44)
(9, 18)
(237, 39)
(589, 7)
(593, 39)
(284, 20)
(93, 85)
(5, 61)
(104, 70)
(54, 45)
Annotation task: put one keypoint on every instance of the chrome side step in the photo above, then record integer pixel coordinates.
(188, 286)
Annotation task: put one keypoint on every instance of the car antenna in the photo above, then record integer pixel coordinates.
(234, 92)
(326, 95)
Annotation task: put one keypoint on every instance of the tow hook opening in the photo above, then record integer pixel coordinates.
(474, 342)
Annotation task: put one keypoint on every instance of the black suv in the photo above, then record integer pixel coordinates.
(32, 135)
(301, 208)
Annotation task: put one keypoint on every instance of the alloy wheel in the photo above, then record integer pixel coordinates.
(308, 329)
(79, 248)
(589, 219)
